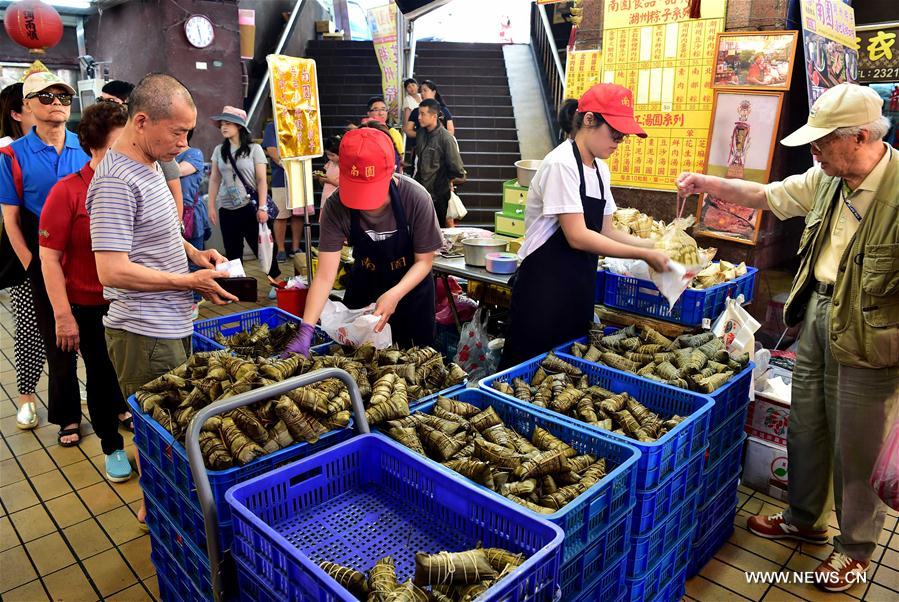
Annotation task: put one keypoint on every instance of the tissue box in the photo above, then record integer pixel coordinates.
(765, 468)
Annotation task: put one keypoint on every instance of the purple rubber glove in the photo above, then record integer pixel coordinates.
(302, 341)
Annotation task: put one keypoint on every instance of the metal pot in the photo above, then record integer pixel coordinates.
(476, 249)
(526, 169)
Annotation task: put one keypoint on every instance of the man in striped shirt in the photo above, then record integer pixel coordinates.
(136, 238)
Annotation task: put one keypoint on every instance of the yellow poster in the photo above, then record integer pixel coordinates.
(581, 71)
(298, 128)
(831, 19)
(667, 60)
(382, 24)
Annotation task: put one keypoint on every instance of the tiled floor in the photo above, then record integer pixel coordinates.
(68, 534)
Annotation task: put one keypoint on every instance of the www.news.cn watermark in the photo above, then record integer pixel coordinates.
(803, 577)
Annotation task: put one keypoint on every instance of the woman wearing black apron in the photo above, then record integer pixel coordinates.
(568, 225)
(390, 222)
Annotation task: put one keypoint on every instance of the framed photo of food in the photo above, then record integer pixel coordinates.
(741, 145)
(758, 60)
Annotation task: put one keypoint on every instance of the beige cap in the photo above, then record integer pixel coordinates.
(38, 82)
(843, 106)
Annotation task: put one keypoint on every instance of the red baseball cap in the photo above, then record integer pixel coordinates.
(367, 162)
(616, 105)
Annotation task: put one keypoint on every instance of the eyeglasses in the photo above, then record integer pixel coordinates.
(819, 144)
(46, 98)
(617, 137)
(377, 110)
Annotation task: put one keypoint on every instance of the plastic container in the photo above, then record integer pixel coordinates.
(717, 475)
(199, 343)
(609, 585)
(174, 584)
(600, 286)
(715, 536)
(370, 497)
(292, 300)
(653, 506)
(163, 532)
(663, 581)
(157, 446)
(244, 321)
(586, 520)
(723, 436)
(648, 549)
(724, 502)
(660, 458)
(642, 297)
(729, 397)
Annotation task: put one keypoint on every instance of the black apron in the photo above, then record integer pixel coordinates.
(553, 290)
(379, 266)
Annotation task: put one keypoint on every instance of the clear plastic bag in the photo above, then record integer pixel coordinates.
(354, 326)
(471, 354)
(885, 477)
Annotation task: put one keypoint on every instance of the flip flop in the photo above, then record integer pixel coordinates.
(68, 432)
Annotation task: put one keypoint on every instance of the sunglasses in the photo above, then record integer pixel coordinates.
(46, 98)
(617, 137)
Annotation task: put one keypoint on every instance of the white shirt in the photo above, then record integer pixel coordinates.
(6, 141)
(555, 190)
(410, 103)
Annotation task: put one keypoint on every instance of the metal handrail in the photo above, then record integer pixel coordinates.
(543, 47)
(198, 466)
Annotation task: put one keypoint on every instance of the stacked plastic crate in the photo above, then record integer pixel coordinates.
(717, 495)
(668, 474)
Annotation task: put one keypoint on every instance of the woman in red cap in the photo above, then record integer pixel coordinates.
(390, 222)
(568, 224)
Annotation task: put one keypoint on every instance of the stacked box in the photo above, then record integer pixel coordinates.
(510, 221)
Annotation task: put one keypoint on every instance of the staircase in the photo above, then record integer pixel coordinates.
(472, 82)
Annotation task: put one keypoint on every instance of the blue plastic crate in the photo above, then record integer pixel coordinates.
(245, 320)
(724, 502)
(600, 287)
(251, 589)
(715, 537)
(610, 585)
(663, 581)
(578, 573)
(158, 446)
(648, 549)
(729, 397)
(370, 497)
(586, 519)
(718, 475)
(174, 584)
(723, 436)
(199, 343)
(446, 340)
(163, 532)
(654, 505)
(642, 297)
(660, 458)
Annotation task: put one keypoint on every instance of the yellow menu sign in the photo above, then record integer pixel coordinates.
(667, 59)
(581, 71)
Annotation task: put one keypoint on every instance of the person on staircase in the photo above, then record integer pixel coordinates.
(568, 224)
(389, 220)
(440, 165)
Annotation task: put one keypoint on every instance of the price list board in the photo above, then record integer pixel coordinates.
(667, 59)
(582, 71)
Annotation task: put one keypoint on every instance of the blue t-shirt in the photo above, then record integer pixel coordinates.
(269, 139)
(41, 168)
(190, 185)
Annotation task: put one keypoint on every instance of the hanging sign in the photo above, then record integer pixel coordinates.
(667, 60)
(828, 36)
(382, 24)
(878, 53)
(581, 71)
(295, 109)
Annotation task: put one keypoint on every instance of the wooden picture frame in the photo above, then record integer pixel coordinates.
(746, 59)
(742, 136)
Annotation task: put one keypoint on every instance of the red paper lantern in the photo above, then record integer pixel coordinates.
(33, 24)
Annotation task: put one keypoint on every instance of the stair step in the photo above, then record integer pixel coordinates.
(474, 157)
(497, 172)
(443, 80)
(454, 100)
(486, 146)
(466, 121)
(469, 133)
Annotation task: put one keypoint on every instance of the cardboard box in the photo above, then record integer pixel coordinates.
(324, 27)
(768, 419)
(765, 468)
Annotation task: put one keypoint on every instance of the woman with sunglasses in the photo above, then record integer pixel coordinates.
(29, 168)
(568, 221)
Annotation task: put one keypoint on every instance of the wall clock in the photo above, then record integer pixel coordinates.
(199, 31)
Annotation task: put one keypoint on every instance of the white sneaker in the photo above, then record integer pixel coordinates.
(26, 418)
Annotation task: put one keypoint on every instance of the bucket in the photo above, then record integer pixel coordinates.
(292, 300)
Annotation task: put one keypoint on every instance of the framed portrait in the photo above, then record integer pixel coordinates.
(758, 60)
(741, 145)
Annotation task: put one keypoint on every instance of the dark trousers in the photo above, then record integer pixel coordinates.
(64, 403)
(240, 225)
(104, 398)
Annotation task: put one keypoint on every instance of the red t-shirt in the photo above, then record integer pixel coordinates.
(65, 226)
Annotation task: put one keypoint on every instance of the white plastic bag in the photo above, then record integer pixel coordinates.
(456, 209)
(354, 326)
(471, 354)
(671, 284)
(736, 328)
(266, 248)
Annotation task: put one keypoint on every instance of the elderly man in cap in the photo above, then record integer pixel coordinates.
(846, 293)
